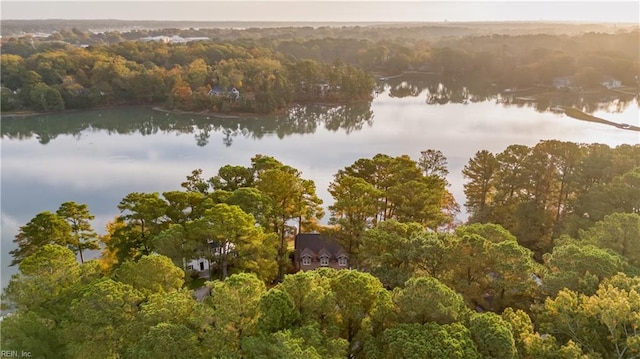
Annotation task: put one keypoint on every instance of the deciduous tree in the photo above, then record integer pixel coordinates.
(604, 324)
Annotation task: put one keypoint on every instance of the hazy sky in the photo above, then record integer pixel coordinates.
(270, 10)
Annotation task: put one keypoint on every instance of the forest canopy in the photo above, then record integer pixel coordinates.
(203, 76)
(528, 276)
(274, 68)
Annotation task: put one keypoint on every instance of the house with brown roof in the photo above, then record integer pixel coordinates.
(313, 250)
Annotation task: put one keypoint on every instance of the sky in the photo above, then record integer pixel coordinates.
(319, 10)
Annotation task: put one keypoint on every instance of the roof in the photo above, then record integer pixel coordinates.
(318, 244)
(307, 253)
(323, 252)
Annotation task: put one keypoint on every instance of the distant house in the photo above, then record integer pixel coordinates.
(563, 82)
(216, 91)
(611, 83)
(196, 38)
(235, 94)
(164, 39)
(231, 92)
(321, 88)
(313, 250)
(175, 39)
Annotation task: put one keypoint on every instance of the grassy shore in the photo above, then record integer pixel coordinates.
(577, 114)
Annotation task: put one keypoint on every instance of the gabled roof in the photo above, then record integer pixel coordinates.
(323, 252)
(306, 253)
(318, 244)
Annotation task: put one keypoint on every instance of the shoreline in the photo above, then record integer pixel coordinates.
(567, 110)
(230, 115)
(244, 115)
(202, 113)
(583, 116)
(34, 113)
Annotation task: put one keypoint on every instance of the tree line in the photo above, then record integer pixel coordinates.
(178, 76)
(553, 188)
(276, 69)
(509, 58)
(419, 287)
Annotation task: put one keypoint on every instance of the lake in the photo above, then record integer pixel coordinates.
(97, 157)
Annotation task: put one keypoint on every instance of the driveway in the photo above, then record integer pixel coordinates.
(201, 293)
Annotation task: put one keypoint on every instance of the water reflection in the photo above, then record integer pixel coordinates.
(298, 120)
(305, 119)
(439, 91)
(98, 157)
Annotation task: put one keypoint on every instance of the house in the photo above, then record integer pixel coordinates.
(235, 94)
(611, 83)
(164, 39)
(562, 82)
(175, 39)
(203, 264)
(216, 91)
(196, 38)
(321, 88)
(232, 93)
(313, 250)
(197, 264)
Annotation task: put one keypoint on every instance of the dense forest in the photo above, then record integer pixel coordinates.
(274, 68)
(202, 76)
(546, 267)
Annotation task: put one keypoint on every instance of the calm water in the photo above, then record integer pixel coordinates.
(98, 157)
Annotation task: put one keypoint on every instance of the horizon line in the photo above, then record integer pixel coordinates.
(343, 22)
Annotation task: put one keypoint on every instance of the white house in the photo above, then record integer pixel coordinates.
(198, 264)
(235, 94)
(611, 83)
(562, 82)
(202, 264)
(175, 39)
